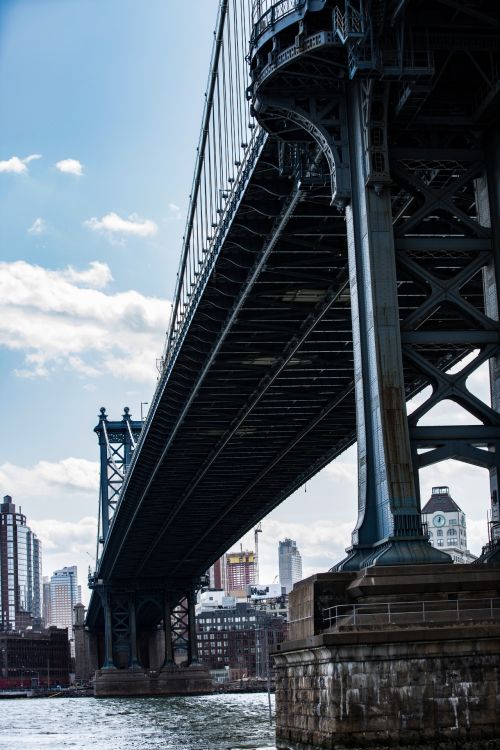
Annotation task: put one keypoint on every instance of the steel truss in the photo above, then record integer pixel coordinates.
(422, 257)
(117, 441)
(131, 617)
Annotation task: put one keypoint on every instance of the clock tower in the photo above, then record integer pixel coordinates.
(446, 525)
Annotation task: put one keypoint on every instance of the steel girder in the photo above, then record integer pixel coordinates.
(418, 224)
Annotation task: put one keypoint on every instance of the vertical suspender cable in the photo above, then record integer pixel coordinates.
(199, 161)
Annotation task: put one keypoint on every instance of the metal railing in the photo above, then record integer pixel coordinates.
(227, 139)
(354, 616)
(265, 13)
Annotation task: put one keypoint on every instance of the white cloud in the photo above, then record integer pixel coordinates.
(38, 227)
(321, 543)
(343, 471)
(114, 225)
(45, 477)
(58, 321)
(175, 211)
(70, 166)
(67, 543)
(97, 276)
(65, 536)
(16, 165)
(60, 501)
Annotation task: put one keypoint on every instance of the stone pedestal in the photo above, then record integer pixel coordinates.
(193, 680)
(394, 675)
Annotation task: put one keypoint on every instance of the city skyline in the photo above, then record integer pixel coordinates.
(93, 206)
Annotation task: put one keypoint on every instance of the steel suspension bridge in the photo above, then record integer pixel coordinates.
(340, 255)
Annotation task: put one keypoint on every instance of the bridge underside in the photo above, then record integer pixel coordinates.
(261, 394)
(272, 337)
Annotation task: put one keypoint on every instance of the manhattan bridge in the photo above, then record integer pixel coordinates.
(341, 255)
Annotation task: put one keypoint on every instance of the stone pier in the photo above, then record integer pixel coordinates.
(392, 657)
(192, 680)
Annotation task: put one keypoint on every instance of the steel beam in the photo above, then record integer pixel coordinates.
(388, 530)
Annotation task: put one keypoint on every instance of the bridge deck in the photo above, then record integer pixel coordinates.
(260, 393)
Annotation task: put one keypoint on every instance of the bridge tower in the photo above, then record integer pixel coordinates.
(117, 441)
(146, 636)
(403, 111)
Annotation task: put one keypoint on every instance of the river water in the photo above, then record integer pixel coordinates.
(214, 722)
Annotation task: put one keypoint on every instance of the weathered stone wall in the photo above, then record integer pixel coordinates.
(433, 687)
(378, 683)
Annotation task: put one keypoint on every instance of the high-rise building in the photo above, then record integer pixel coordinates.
(290, 564)
(446, 524)
(46, 600)
(240, 571)
(64, 594)
(217, 574)
(20, 570)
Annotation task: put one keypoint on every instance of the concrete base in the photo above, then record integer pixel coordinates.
(379, 685)
(194, 680)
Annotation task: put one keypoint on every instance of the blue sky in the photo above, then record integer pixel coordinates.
(101, 109)
(111, 85)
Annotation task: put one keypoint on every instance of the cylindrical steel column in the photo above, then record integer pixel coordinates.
(388, 530)
(133, 631)
(108, 632)
(193, 642)
(167, 629)
(488, 206)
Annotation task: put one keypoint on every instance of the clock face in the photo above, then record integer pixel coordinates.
(438, 520)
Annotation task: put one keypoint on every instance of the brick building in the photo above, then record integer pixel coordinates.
(34, 659)
(239, 638)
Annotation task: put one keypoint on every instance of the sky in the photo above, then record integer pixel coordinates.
(101, 110)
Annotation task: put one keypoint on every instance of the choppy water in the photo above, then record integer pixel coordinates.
(215, 722)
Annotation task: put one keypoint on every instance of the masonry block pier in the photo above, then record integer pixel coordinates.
(192, 680)
(392, 657)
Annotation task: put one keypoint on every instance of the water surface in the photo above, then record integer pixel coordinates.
(214, 722)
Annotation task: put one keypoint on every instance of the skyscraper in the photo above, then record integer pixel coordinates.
(46, 600)
(64, 594)
(20, 570)
(290, 564)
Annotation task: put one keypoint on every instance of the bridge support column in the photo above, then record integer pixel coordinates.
(134, 663)
(167, 629)
(388, 529)
(193, 642)
(488, 200)
(108, 631)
